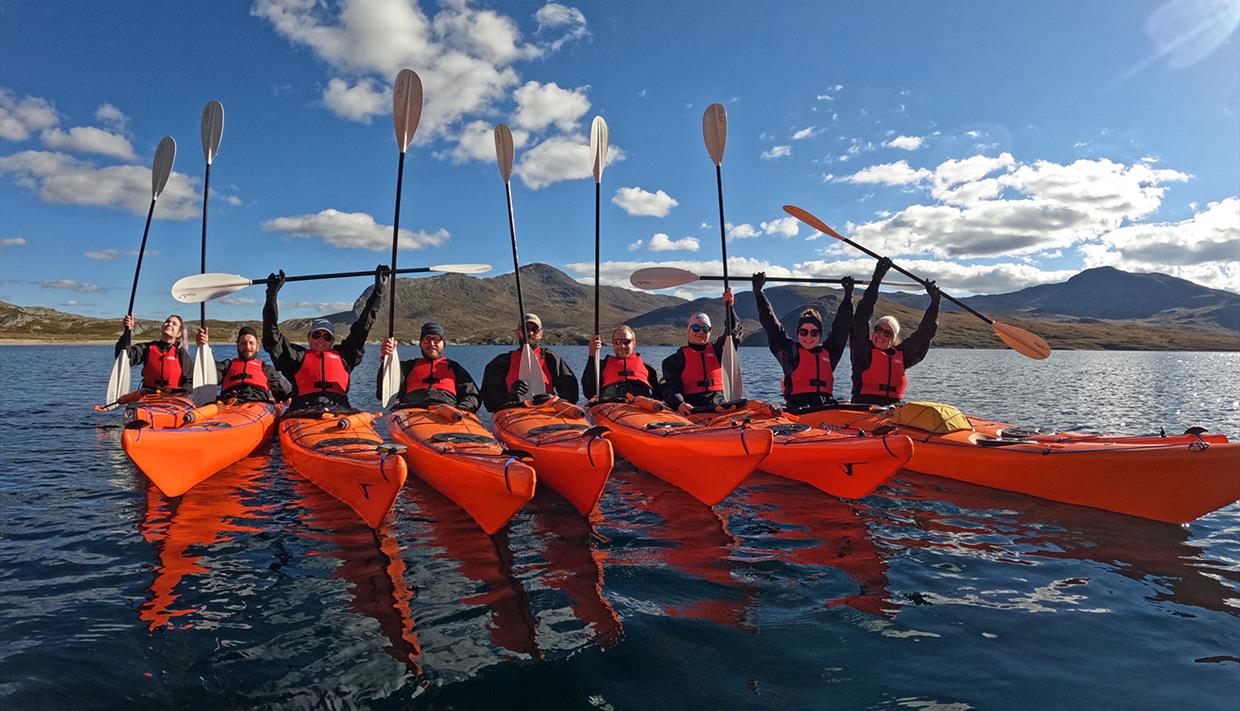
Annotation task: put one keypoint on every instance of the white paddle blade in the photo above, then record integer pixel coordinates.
(733, 388)
(118, 380)
(504, 151)
(390, 377)
(161, 167)
(406, 107)
(461, 268)
(196, 288)
(206, 379)
(598, 147)
(715, 131)
(531, 372)
(1022, 341)
(661, 277)
(212, 129)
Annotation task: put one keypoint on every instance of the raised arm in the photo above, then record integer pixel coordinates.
(917, 345)
(353, 348)
(865, 309)
(776, 338)
(841, 325)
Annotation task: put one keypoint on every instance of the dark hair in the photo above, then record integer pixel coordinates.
(810, 315)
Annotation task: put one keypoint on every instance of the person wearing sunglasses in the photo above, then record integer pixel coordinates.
(246, 378)
(693, 375)
(879, 357)
(623, 373)
(502, 388)
(431, 379)
(319, 371)
(166, 365)
(808, 363)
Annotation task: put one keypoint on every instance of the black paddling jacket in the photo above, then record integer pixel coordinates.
(674, 367)
(787, 350)
(277, 387)
(625, 386)
(913, 348)
(450, 384)
(138, 353)
(495, 390)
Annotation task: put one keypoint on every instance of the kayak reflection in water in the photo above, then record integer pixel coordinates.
(809, 361)
(431, 379)
(246, 378)
(166, 365)
(502, 388)
(319, 373)
(693, 375)
(879, 357)
(624, 373)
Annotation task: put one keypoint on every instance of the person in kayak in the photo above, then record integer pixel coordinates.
(246, 378)
(693, 375)
(502, 388)
(319, 373)
(624, 373)
(808, 362)
(879, 357)
(431, 379)
(166, 365)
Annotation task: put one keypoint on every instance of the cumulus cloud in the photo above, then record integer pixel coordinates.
(59, 178)
(742, 231)
(776, 152)
(108, 254)
(636, 201)
(316, 307)
(355, 230)
(13, 242)
(559, 158)
(782, 227)
(541, 105)
(617, 273)
(70, 285)
(562, 22)
(88, 139)
(111, 116)
(959, 279)
(898, 173)
(237, 300)
(660, 242)
(361, 101)
(809, 132)
(906, 143)
(20, 118)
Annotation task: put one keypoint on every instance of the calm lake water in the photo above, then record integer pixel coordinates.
(257, 589)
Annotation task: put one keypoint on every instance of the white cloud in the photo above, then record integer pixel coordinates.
(316, 307)
(13, 242)
(107, 254)
(541, 105)
(636, 201)
(111, 116)
(355, 230)
(906, 143)
(237, 300)
(70, 285)
(742, 231)
(740, 269)
(636, 245)
(776, 152)
(360, 102)
(567, 21)
(19, 118)
(559, 158)
(88, 139)
(63, 179)
(809, 132)
(958, 279)
(660, 242)
(782, 227)
(898, 173)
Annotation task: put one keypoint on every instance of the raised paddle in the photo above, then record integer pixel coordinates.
(204, 287)
(1018, 339)
(161, 170)
(504, 154)
(654, 278)
(206, 380)
(406, 112)
(598, 155)
(715, 134)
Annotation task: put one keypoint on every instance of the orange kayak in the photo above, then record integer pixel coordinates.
(848, 465)
(451, 450)
(708, 461)
(158, 410)
(208, 439)
(570, 454)
(1175, 479)
(345, 457)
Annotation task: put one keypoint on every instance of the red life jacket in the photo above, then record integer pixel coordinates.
(812, 374)
(244, 373)
(885, 377)
(322, 372)
(618, 370)
(427, 374)
(702, 373)
(514, 366)
(161, 369)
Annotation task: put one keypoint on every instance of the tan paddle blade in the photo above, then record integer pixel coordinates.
(598, 147)
(809, 219)
(406, 107)
(661, 277)
(197, 288)
(461, 268)
(1022, 341)
(733, 387)
(390, 377)
(715, 131)
(504, 151)
(212, 129)
(161, 167)
(206, 378)
(118, 379)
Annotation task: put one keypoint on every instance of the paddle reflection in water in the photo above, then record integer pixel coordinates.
(184, 529)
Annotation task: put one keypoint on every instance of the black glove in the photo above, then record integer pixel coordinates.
(933, 290)
(381, 273)
(275, 280)
(848, 283)
(519, 390)
(759, 281)
(884, 264)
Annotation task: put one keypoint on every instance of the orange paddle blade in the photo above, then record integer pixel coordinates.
(1022, 341)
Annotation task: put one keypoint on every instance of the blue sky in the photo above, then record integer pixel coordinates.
(989, 145)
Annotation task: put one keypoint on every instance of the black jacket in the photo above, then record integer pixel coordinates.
(619, 391)
(137, 356)
(278, 387)
(674, 367)
(496, 395)
(466, 397)
(914, 347)
(788, 351)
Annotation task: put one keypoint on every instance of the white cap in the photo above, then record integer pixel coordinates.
(700, 319)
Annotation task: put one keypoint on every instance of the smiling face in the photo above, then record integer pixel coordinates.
(172, 328)
(624, 342)
(247, 347)
(699, 334)
(882, 337)
(533, 333)
(809, 335)
(432, 346)
(321, 340)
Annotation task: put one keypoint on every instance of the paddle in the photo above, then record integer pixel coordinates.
(504, 153)
(212, 285)
(406, 112)
(668, 277)
(598, 154)
(206, 380)
(1018, 339)
(161, 170)
(715, 134)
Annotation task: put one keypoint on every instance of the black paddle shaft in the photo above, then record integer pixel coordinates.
(202, 265)
(723, 241)
(597, 257)
(133, 291)
(516, 264)
(342, 275)
(400, 178)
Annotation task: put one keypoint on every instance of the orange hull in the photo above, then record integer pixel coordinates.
(452, 451)
(570, 455)
(1173, 479)
(158, 411)
(177, 458)
(841, 464)
(345, 457)
(709, 462)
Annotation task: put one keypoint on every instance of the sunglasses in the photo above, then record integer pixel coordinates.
(883, 331)
(432, 340)
(699, 329)
(622, 341)
(809, 331)
(532, 328)
(323, 336)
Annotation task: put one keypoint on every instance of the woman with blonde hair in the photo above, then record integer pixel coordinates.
(879, 357)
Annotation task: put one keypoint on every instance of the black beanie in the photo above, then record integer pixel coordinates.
(432, 329)
(246, 331)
